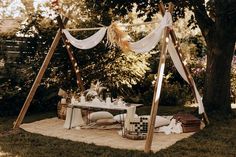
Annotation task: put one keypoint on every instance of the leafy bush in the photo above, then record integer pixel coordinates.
(175, 94)
(15, 85)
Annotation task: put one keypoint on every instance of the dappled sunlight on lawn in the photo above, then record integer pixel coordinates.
(4, 153)
(233, 105)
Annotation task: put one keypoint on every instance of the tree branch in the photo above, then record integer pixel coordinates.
(205, 23)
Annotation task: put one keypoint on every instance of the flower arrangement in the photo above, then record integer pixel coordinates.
(95, 90)
(117, 37)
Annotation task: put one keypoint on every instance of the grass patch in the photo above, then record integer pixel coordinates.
(217, 139)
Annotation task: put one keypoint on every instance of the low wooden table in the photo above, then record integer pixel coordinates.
(98, 107)
(90, 105)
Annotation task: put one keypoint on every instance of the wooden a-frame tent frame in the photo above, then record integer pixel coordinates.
(158, 83)
(44, 66)
(157, 90)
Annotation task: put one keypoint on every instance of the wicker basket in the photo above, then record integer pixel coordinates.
(61, 110)
(133, 136)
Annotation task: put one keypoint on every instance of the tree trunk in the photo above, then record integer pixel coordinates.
(219, 33)
(217, 84)
(220, 42)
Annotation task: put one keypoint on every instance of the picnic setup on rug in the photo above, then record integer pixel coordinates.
(93, 111)
(98, 113)
(82, 111)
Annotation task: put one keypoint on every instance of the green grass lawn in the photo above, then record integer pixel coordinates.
(217, 139)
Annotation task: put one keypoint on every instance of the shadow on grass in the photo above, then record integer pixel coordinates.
(165, 110)
(33, 145)
(218, 139)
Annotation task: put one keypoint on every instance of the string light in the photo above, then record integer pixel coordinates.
(167, 39)
(185, 62)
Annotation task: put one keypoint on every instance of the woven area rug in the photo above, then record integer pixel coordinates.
(54, 127)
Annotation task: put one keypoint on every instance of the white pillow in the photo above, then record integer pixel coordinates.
(99, 115)
(160, 121)
(105, 121)
(121, 117)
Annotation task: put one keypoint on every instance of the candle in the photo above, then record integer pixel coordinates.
(63, 101)
(82, 99)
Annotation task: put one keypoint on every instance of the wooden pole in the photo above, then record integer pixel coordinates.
(179, 52)
(189, 77)
(71, 56)
(43, 69)
(37, 80)
(157, 91)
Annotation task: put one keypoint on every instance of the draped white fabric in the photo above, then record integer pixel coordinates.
(146, 44)
(199, 100)
(177, 62)
(87, 43)
(149, 42)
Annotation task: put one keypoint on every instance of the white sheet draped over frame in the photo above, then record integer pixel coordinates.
(144, 45)
(149, 42)
(87, 43)
(177, 62)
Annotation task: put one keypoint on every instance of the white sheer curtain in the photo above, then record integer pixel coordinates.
(144, 45)
(177, 62)
(175, 58)
(87, 43)
(199, 100)
(149, 42)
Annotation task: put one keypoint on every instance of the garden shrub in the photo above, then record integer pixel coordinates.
(174, 94)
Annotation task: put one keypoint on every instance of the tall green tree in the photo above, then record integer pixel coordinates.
(216, 20)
